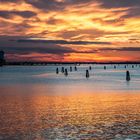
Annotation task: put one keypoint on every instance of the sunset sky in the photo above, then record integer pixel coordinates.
(70, 30)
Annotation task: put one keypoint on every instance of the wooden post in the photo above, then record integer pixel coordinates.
(104, 67)
(70, 69)
(57, 70)
(62, 69)
(89, 67)
(127, 76)
(87, 74)
(75, 68)
(66, 72)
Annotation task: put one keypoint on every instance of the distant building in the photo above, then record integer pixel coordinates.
(1, 55)
(2, 59)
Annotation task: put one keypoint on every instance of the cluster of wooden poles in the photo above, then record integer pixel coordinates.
(65, 71)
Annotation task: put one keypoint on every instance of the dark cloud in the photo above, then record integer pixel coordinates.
(51, 4)
(21, 45)
(12, 47)
(62, 42)
(119, 3)
(13, 1)
(133, 12)
(51, 49)
(54, 5)
(46, 4)
(134, 6)
(121, 49)
(24, 14)
(21, 51)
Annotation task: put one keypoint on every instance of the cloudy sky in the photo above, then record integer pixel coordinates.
(70, 30)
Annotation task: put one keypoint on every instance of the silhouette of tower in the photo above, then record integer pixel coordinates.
(2, 60)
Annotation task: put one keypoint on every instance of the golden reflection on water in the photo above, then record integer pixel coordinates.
(50, 117)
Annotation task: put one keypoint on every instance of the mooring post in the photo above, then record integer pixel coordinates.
(89, 67)
(87, 74)
(70, 69)
(75, 68)
(62, 69)
(66, 72)
(127, 76)
(57, 70)
(104, 67)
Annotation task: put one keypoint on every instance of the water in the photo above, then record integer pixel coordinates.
(38, 104)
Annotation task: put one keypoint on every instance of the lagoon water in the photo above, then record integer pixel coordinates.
(38, 104)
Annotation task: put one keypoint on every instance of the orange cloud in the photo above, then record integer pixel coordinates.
(74, 21)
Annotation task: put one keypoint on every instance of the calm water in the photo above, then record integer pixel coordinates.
(38, 104)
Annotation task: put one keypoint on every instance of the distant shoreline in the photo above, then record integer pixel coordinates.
(63, 63)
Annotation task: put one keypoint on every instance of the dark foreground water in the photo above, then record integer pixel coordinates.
(38, 104)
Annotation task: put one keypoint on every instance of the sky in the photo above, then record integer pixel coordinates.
(70, 30)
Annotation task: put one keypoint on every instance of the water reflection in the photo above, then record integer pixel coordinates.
(38, 104)
(87, 116)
